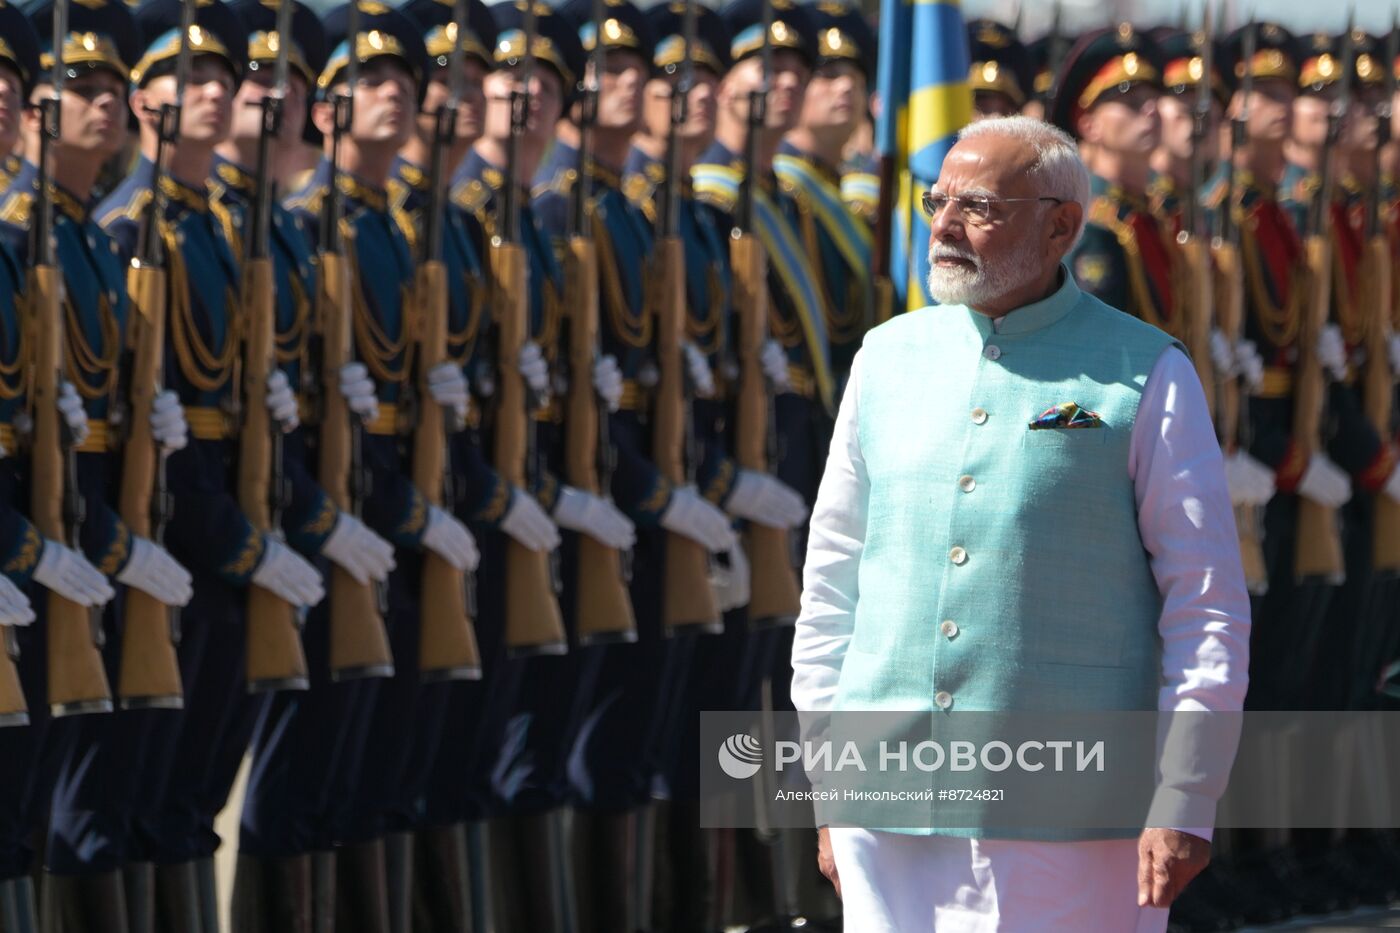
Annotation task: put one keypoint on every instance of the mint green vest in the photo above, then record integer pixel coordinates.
(1002, 567)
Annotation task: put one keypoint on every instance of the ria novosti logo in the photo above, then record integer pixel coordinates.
(740, 756)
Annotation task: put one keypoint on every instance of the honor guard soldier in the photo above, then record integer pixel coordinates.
(808, 164)
(516, 755)
(168, 194)
(1043, 58)
(389, 748)
(100, 46)
(1001, 77)
(1173, 160)
(27, 555)
(295, 741)
(1107, 98)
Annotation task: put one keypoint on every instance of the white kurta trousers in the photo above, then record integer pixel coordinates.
(898, 883)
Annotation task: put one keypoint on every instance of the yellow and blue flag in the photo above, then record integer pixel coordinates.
(924, 101)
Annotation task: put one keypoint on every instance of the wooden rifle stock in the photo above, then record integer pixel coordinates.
(774, 593)
(149, 672)
(1319, 544)
(447, 644)
(1228, 296)
(77, 679)
(604, 606)
(359, 642)
(275, 657)
(534, 624)
(1196, 303)
(690, 602)
(1374, 277)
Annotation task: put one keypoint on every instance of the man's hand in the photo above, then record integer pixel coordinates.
(1167, 861)
(826, 862)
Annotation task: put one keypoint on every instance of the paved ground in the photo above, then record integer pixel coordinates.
(1370, 919)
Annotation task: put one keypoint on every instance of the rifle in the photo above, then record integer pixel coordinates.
(604, 606)
(1056, 50)
(1192, 240)
(1228, 298)
(275, 657)
(690, 603)
(1319, 544)
(774, 593)
(359, 642)
(534, 624)
(77, 679)
(1374, 276)
(447, 643)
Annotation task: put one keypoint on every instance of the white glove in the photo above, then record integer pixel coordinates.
(449, 539)
(14, 605)
(168, 425)
(774, 362)
(1222, 355)
(1394, 344)
(70, 575)
(287, 574)
(448, 387)
(74, 415)
(357, 550)
(702, 380)
(153, 571)
(607, 381)
(533, 368)
(358, 389)
(1249, 364)
(692, 515)
(1332, 351)
(1250, 482)
(527, 522)
(281, 403)
(765, 499)
(1325, 483)
(1392, 485)
(731, 583)
(594, 516)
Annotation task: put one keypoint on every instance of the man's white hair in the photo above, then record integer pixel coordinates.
(1058, 171)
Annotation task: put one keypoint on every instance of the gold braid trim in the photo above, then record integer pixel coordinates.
(324, 520)
(81, 361)
(706, 332)
(116, 554)
(204, 369)
(1279, 325)
(247, 557)
(28, 554)
(632, 329)
(1104, 212)
(1352, 322)
(377, 349)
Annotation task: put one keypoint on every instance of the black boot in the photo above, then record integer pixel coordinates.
(551, 902)
(88, 903)
(139, 880)
(444, 879)
(17, 913)
(323, 892)
(363, 902)
(398, 875)
(272, 895)
(177, 899)
(208, 890)
(620, 857)
(483, 913)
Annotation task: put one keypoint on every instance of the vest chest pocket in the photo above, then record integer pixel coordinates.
(1066, 437)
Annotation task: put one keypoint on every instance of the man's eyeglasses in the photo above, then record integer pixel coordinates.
(975, 208)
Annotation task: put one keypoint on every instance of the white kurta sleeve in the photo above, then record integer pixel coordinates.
(1188, 528)
(830, 584)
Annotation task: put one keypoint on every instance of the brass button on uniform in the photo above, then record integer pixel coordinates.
(966, 483)
(958, 555)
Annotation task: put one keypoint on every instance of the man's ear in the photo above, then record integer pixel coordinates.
(323, 117)
(1065, 221)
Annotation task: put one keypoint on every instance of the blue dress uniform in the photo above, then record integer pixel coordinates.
(382, 777)
(299, 735)
(837, 242)
(481, 497)
(207, 532)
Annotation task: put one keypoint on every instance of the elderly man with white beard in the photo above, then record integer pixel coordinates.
(1052, 533)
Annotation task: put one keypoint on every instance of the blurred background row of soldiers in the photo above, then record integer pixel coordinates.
(424, 404)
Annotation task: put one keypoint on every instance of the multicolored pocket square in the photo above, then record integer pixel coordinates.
(1066, 415)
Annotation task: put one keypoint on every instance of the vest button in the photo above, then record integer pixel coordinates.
(966, 483)
(949, 628)
(991, 351)
(958, 555)
(979, 415)
(943, 698)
